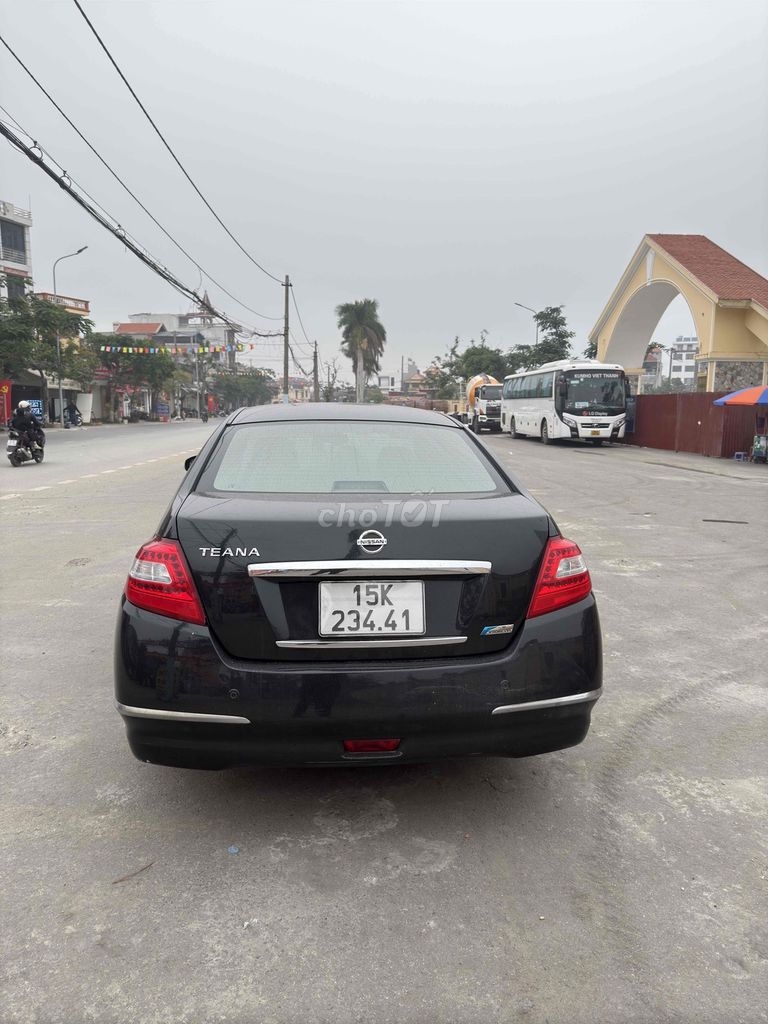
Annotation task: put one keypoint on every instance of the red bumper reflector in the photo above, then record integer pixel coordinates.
(370, 746)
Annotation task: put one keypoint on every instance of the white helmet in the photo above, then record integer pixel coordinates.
(23, 405)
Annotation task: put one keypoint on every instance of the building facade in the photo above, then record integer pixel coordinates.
(15, 250)
(679, 360)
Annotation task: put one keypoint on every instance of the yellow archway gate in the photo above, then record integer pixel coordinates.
(727, 299)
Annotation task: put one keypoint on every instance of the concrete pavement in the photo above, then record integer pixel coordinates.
(623, 880)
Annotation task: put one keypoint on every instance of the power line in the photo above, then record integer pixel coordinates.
(162, 138)
(65, 182)
(296, 361)
(298, 314)
(120, 181)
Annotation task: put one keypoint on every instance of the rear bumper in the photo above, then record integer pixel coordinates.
(535, 696)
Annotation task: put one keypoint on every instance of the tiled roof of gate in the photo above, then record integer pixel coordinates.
(722, 273)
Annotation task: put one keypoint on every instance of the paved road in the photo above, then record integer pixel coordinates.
(621, 881)
(79, 454)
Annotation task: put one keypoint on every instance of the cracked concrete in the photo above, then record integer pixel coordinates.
(624, 880)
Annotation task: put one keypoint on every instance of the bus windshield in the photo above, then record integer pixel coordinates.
(595, 390)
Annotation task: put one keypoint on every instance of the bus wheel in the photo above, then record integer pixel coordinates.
(545, 438)
(512, 428)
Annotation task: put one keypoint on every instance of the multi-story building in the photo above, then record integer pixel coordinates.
(184, 325)
(679, 360)
(15, 252)
(653, 366)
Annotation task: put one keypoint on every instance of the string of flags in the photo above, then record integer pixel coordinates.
(175, 350)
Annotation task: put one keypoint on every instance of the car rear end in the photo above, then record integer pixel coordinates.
(350, 591)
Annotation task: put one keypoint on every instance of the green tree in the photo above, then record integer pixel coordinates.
(590, 352)
(251, 386)
(554, 341)
(29, 328)
(449, 372)
(363, 338)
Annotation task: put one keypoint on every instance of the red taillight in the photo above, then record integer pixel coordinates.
(563, 578)
(160, 581)
(370, 746)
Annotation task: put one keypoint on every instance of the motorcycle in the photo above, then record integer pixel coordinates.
(19, 453)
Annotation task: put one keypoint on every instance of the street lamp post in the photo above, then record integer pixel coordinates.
(58, 339)
(535, 314)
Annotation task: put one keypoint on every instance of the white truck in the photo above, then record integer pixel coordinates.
(483, 403)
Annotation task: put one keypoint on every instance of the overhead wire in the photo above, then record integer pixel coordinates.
(65, 181)
(123, 185)
(167, 145)
(298, 314)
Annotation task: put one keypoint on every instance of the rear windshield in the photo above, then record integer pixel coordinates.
(361, 457)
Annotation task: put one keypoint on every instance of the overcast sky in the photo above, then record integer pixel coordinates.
(447, 159)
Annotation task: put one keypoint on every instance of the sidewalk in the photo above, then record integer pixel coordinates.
(753, 471)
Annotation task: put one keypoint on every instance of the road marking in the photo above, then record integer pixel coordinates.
(46, 487)
(87, 476)
(72, 481)
(7, 497)
(108, 471)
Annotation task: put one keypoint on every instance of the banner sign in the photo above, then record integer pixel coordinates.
(5, 401)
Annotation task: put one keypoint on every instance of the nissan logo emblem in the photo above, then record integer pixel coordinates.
(371, 540)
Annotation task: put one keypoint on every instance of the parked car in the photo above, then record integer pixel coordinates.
(341, 584)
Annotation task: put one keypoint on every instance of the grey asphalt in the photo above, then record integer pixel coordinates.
(623, 880)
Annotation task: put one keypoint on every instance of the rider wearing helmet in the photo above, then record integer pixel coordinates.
(28, 425)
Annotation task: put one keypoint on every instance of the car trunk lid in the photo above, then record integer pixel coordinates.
(295, 545)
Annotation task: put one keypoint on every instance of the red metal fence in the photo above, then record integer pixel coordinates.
(691, 423)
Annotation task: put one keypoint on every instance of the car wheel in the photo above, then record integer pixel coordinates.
(545, 438)
(513, 428)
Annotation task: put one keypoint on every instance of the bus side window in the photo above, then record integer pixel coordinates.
(546, 384)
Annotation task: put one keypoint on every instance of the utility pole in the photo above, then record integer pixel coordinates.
(287, 286)
(197, 378)
(535, 314)
(315, 378)
(58, 338)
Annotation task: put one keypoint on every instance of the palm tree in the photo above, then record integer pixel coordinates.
(363, 338)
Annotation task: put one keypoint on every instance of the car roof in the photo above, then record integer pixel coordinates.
(340, 411)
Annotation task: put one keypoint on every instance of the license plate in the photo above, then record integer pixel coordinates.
(595, 433)
(385, 608)
(12, 444)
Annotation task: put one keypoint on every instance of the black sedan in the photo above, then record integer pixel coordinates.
(340, 585)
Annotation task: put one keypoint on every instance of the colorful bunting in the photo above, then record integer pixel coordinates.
(177, 349)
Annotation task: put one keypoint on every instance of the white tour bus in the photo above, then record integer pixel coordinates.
(571, 398)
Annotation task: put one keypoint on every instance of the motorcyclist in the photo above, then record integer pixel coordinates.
(29, 427)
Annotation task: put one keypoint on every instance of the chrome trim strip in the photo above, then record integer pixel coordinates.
(553, 702)
(421, 641)
(180, 716)
(360, 568)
